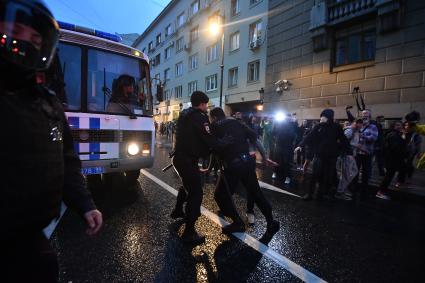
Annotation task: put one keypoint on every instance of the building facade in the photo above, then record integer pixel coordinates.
(186, 56)
(320, 52)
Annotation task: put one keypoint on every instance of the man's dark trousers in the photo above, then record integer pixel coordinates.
(190, 175)
(237, 171)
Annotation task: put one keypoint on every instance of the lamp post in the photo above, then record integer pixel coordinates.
(215, 28)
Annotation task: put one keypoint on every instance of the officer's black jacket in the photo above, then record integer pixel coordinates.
(327, 140)
(240, 133)
(193, 135)
(40, 167)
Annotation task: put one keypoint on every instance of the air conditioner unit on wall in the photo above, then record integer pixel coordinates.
(255, 44)
(171, 43)
(187, 46)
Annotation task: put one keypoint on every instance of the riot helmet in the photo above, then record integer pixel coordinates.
(28, 35)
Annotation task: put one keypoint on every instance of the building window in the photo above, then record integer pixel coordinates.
(167, 94)
(194, 34)
(211, 82)
(180, 20)
(178, 91)
(234, 41)
(179, 69)
(167, 74)
(150, 46)
(253, 71)
(193, 62)
(194, 7)
(354, 45)
(158, 39)
(157, 79)
(144, 50)
(179, 44)
(253, 2)
(212, 52)
(233, 77)
(192, 86)
(235, 8)
(167, 53)
(157, 59)
(168, 30)
(255, 30)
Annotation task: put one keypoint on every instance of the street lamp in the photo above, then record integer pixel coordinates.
(215, 28)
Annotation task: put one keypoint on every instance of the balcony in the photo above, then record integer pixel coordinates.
(340, 11)
(326, 15)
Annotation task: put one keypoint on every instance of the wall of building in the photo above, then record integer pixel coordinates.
(245, 91)
(392, 84)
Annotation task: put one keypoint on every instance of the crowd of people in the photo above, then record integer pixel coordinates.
(336, 149)
(165, 129)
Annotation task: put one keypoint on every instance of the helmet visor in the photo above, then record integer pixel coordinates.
(28, 35)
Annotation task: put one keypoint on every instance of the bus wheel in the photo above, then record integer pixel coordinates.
(94, 181)
(132, 175)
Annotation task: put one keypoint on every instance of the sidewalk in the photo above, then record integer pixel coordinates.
(413, 192)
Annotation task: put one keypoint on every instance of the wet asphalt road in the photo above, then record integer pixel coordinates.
(338, 241)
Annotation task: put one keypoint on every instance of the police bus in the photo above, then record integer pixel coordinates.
(105, 89)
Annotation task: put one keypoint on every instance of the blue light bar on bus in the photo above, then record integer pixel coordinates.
(98, 33)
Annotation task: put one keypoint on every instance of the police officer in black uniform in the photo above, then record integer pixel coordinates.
(40, 167)
(239, 166)
(193, 141)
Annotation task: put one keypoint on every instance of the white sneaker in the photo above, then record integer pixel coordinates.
(287, 181)
(274, 176)
(383, 196)
(251, 218)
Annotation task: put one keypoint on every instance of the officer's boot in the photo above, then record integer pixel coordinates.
(190, 236)
(178, 209)
(272, 227)
(236, 226)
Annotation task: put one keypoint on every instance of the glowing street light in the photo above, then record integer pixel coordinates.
(215, 29)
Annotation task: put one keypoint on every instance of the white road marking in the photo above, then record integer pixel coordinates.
(281, 260)
(276, 189)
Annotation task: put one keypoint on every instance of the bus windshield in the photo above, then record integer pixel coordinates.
(114, 83)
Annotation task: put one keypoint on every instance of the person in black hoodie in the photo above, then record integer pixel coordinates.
(395, 152)
(328, 140)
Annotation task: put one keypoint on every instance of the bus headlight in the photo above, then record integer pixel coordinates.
(133, 149)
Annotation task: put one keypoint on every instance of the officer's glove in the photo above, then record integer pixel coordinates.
(298, 149)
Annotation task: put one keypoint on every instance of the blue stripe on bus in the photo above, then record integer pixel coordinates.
(74, 122)
(94, 147)
(94, 123)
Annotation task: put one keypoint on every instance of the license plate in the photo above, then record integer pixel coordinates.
(92, 170)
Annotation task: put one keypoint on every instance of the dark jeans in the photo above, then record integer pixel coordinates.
(392, 168)
(324, 171)
(285, 159)
(28, 258)
(364, 164)
(244, 172)
(407, 169)
(301, 157)
(190, 175)
(380, 162)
